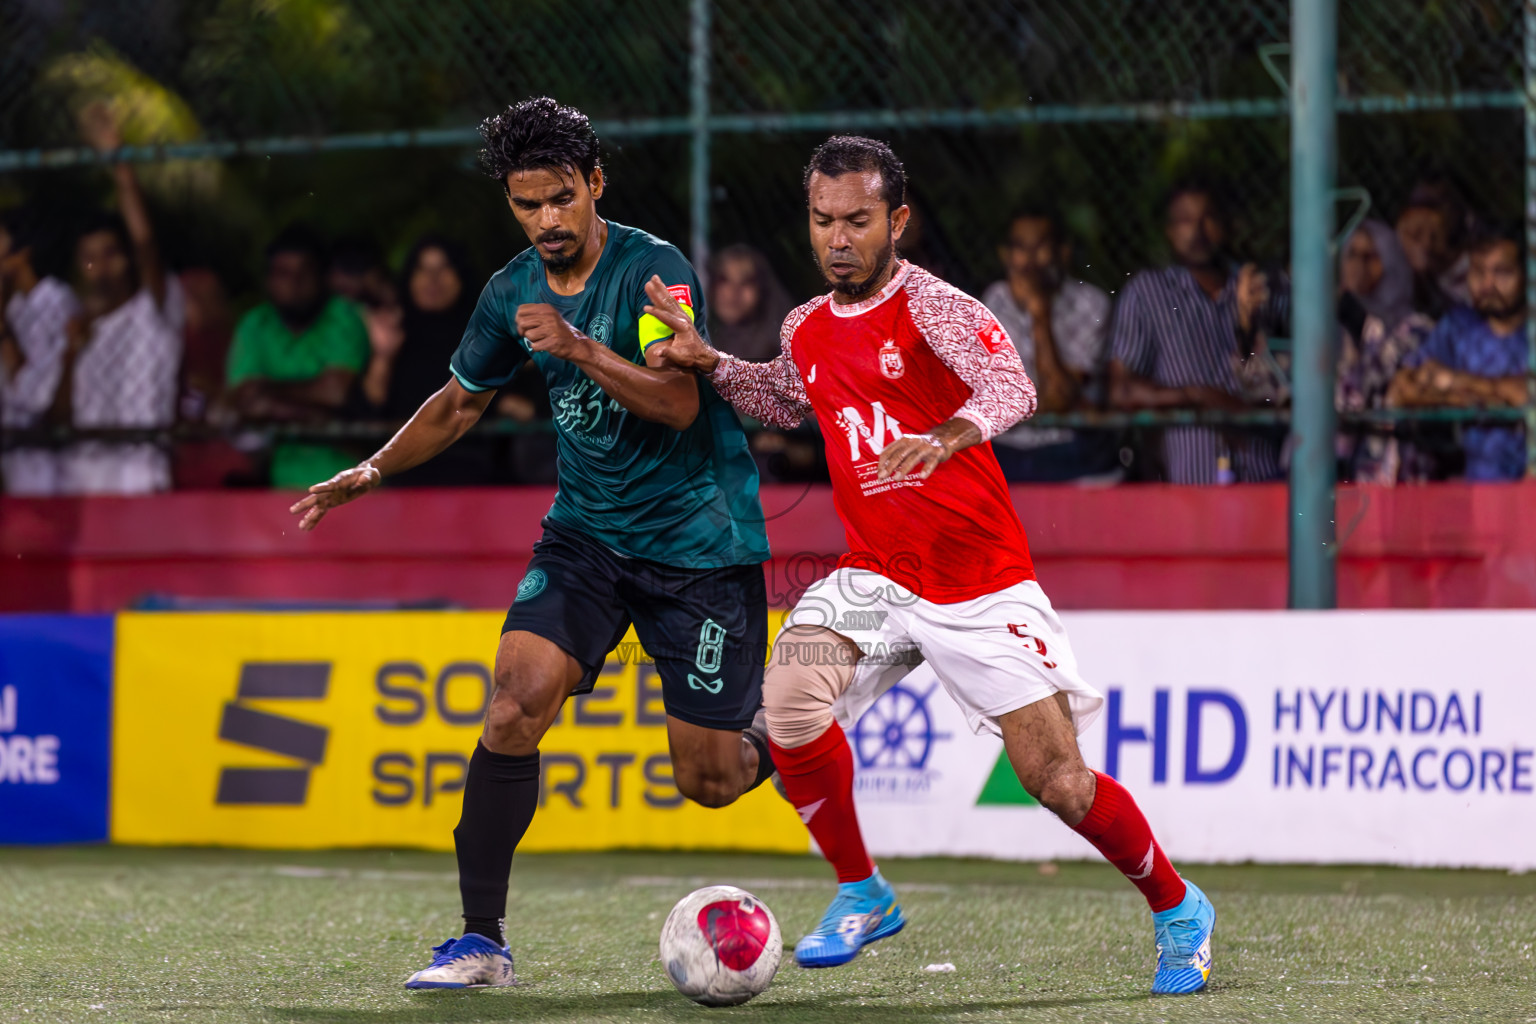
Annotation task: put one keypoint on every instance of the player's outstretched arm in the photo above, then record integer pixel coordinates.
(441, 420)
(661, 396)
(772, 392)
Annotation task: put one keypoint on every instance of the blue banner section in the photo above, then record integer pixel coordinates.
(55, 727)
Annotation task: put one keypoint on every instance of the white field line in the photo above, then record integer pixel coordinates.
(639, 881)
(764, 883)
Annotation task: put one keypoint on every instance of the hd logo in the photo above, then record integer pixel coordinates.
(302, 741)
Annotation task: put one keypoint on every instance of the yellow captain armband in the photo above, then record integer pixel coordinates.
(653, 330)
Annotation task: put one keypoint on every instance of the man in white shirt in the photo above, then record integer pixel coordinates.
(122, 356)
(1060, 326)
(34, 310)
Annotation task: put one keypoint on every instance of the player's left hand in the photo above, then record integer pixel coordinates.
(548, 331)
(915, 456)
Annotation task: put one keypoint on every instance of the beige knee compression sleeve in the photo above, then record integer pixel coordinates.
(809, 670)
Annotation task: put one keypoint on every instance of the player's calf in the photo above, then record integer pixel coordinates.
(714, 767)
(707, 785)
(1042, 746)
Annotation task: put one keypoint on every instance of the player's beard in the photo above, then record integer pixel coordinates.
(859, 289)
(560, 262)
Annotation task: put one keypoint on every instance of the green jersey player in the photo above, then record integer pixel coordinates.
(657, 521)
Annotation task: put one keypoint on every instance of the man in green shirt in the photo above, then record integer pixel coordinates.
(657, 521)
(294, 357)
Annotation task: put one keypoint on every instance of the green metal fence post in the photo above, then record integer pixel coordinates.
(1530, 235)
(1314, 121)
(698, 87)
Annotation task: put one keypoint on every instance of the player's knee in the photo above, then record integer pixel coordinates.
(801, 684)
(1065, 788)
(705, 786)
(511, 726)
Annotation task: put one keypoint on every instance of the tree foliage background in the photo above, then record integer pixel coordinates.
(183, 70)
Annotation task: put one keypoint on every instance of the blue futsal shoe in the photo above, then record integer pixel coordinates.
(473, 961)
(1183, 935)
(861, 913)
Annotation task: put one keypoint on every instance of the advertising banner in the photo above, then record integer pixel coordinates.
(1377, 737)
(355, 729)
(55, 713)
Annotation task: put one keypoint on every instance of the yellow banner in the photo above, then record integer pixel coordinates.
(355, 729)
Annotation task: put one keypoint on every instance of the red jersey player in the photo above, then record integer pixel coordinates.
(909, 378)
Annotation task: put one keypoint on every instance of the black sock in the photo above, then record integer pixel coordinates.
(501, 793)
(764, 758)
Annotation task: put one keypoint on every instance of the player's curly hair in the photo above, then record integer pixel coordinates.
(538, 134)
(845, 154)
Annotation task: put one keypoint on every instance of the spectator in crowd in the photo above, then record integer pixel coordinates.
(123, 353)
(925, 244)
(35, 310)
(412, 347)
(1060, 326)
(1380, 331)
(295, 357)
(357, 271)
(210, 328)
(1439, 272)
(208, 462)
(1439, 191)
(410, 358)
(1188, 336)
(747, 304)
(1477, 356)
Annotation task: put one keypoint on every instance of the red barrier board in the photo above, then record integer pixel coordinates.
(1132, 547)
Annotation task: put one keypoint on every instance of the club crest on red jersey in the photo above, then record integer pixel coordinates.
(993, 338)
(890, 360)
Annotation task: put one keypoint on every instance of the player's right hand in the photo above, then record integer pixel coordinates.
(338, 490)
(685, 350)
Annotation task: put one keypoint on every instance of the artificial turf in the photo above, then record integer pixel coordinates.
(112, 934)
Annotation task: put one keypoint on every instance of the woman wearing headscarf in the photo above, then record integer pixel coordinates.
(747, 304)
(1379, 330)
(747, 307)
(412, 344)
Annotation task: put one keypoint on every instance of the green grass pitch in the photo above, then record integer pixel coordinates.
(107, 935)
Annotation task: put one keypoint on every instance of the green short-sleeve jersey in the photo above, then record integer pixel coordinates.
(264, 348)
(685, 498)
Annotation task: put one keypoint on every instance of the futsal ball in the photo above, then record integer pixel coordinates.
(720, 945)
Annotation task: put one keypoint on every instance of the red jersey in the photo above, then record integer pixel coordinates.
(901, 362)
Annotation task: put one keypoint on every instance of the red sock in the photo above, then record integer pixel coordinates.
(1117, 829)
(818, 778)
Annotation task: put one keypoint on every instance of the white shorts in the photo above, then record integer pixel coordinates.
(993, 654)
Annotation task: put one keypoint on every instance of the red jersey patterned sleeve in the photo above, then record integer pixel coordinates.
(773, 391)
(968, 339)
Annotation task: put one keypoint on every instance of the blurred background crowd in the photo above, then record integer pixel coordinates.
(254, 312)
(102, 333)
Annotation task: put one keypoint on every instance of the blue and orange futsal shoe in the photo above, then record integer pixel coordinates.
(861, 913)
(1183, 935)
(472, 961)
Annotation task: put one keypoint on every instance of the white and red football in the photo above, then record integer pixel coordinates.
(721, 945)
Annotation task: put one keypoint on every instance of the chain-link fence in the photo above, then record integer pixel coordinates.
(359, 116)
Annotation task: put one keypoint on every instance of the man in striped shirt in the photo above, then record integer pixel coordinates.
(1184, 337)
